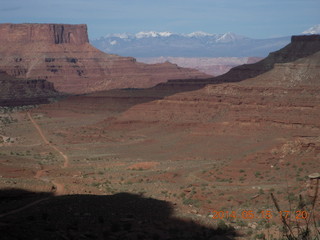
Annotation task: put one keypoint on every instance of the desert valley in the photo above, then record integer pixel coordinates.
(99, 146)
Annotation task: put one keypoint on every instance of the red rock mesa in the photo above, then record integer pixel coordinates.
(62, 54)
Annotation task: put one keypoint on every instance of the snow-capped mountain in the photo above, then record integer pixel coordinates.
(196, 44)
(313, 30)
(152, 34)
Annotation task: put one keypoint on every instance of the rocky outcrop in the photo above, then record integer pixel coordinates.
(49, 33)
(18, 92)
(306, 38)
(302, 73)
(61, 54)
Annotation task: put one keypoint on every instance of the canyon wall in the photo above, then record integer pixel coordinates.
(49, 33)
(17, 92)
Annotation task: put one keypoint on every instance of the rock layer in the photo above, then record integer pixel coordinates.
(49, 33)
(62, 55)
(17, 92)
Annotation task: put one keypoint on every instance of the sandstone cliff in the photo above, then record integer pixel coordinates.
(48, 33)
(62, 55)
(17, 92)
(302, 73)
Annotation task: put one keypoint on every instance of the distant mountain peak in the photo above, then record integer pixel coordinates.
(118, 35)
(229, 37)
(152, 34)
(313, 30)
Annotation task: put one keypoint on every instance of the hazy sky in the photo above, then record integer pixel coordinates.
(253, 18)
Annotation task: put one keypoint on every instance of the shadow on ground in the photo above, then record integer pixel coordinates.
(120, 100)
(118, 216)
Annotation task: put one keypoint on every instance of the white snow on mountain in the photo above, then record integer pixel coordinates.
(114, 42)
(195, 44)
(198, 34)
(118, 35)
(152, 34)
(228, 37)
(313, 30)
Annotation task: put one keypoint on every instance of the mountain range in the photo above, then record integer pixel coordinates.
(196, 44)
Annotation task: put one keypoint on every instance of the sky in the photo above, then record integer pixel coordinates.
(251, 18)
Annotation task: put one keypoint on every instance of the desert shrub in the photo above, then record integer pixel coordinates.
(260, 236)
(300, 230)
(242, 223)
(257, 174)
(190, 201)
(223, 227)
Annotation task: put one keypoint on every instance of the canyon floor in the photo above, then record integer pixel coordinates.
(144, 154)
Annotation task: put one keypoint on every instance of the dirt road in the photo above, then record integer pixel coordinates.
(35, 124)
(58, 188)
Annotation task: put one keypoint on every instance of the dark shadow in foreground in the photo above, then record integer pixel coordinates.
(118, 216)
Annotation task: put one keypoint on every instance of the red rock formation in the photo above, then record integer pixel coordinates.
(49, 33)
(15, 92)
(303, 73)
(62, 54)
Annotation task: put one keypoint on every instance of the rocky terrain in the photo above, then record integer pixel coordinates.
(211, 66)
(159, 163)
(17, 92)
(62, 54)
(264, 131)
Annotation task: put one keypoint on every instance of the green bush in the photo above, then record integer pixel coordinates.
(260, 236)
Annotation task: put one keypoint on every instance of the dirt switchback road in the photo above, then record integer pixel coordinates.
(35, 124)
